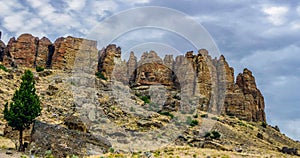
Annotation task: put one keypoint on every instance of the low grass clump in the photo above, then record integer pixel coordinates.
(146, 99)
(100, 75)
(2, 67)
(39, 69)
(213, 135)
(167, 113)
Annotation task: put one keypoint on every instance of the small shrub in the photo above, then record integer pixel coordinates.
(146, 99)
(156, 154)
(39, 68)
(100, 75)
(260, 136)
(111, 150)
(242, 124)
(215, 118)
(195, 116)
(48, 154)
(166, 113)
(264, 124)
(2, 67)
(230, 115)
(213, 135)
(207, 134)
(74, 156)
(204, 115)
(194, 123)
(276, 128)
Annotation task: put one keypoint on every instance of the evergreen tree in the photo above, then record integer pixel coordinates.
(25, 106)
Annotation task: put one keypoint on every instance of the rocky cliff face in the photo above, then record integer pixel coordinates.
(199, 76)
(211, 80)
(30, 51)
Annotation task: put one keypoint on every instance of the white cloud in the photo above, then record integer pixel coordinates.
(298, 10)
(204, 18)
(276, 15)
(14, 22)
(289, 127)
(76, 4)
(100, 7)
(262, 60)
(8, 8)
(35, 4)
(295, 25)
(133, 2)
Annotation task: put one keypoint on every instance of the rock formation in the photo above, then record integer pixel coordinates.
(30, 51)
(2, 49)
(210, 81)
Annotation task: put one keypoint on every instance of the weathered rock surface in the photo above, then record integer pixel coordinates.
(70, 51)
(107, 57)
(62, 141)
(30, 51)
(42, 52)
(195, 75)
(210, 80)
(22, 51)
(2, 49)
(244, 100)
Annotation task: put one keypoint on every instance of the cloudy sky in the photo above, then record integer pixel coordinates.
(263, 36)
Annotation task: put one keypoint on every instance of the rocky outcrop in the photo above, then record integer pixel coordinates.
(42, 52)
(65, 53)
(254, 101)
(195, 75)
(23, 50)
(70, 51)
(207, 82)
(64, 142)
(132, 65)
(242, 99)
(107, 58)
(2, 49)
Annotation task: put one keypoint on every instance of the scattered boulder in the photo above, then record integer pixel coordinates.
(291, 151)
(260, 136)
(8, 152)
(62, 141)
(75, 123)
(51, 90)
(9, 76)
(276, 128)
(45, 73)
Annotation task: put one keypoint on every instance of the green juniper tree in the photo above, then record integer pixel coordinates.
(24, 108)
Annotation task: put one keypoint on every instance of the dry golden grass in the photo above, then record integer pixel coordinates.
(6, 143)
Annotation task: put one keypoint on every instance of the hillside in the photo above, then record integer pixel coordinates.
(95, 103)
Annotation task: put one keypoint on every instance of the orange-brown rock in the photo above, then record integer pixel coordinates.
(2, 50)
(107, 59)
(22, 51)
(254, 101)
(71, 48)
(153, 74)
(150, 57)
(42, 53)
(132, 65)
(152, 71)
(196, 75)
